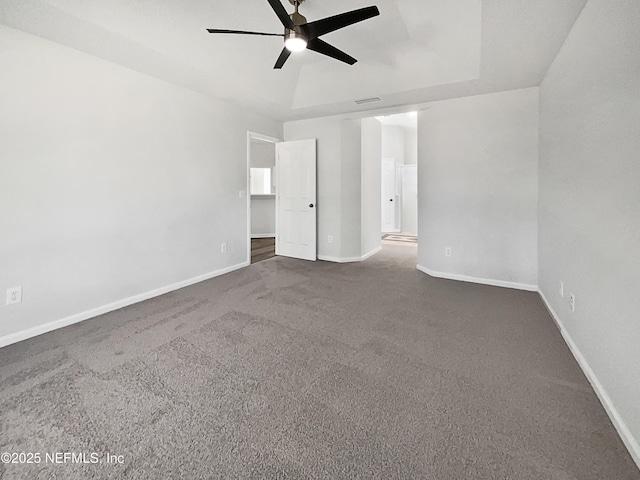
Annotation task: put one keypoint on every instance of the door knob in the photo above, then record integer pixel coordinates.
(391, 199)
(311, 205)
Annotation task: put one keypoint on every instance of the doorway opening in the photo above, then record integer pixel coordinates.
(261, 200)
(399, 179)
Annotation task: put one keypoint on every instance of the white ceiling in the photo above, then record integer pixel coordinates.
(416, 51)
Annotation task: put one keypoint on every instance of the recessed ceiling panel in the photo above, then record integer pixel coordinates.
(437, 42)
(415, 51)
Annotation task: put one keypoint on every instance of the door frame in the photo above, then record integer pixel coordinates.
(264, 138)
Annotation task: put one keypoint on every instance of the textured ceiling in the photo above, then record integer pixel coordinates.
(415, 51)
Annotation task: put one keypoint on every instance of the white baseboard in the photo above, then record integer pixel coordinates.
(263, 235)
(94, 312)
(349, 259)
(371, 253)
(483, 281)
(338, 259)
(627, 438)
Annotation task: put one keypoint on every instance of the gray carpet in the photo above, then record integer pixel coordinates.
(290, 369)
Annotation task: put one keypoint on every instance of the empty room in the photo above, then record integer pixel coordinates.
(485, 327)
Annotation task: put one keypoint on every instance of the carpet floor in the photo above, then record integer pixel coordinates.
(293, 369)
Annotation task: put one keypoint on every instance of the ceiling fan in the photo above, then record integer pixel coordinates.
(300, 34)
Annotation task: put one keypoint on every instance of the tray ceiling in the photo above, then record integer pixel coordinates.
(415, 51)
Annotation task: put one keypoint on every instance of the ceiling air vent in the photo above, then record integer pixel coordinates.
(368, 100)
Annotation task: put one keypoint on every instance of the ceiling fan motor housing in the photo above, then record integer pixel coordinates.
(297, 32)
(298, 19)
(288, 33)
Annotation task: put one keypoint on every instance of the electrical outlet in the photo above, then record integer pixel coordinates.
(447, 251)
(223, 247)
(561, 289)
(572, 302)
(14, 295)
(330, 239)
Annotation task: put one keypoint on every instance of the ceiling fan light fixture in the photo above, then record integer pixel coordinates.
(295, 42)
(300, 34)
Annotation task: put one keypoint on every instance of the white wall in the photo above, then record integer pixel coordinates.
(344, 209)
(263, 216)
(351, 189)
(393, 143)
(338, 182)
(327, 132)
(113, 184)
(589, 215)
(370, 227)
(409, 179)
(410, 146)
(263, 154)
(409, 204)
(477, 182)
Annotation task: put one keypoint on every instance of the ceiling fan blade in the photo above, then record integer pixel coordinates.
(282, 13)
(330, 24)
(242, 32)
(282, 58)
(324, 48)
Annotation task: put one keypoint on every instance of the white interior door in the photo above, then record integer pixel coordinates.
(296, 199)
(388, 194)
